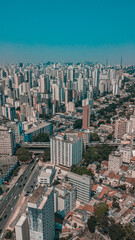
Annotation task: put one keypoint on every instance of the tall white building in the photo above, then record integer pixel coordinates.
(41, 214)
(66, 152)
(115, 161)
(22, 229)
(83, 186)
(126, 154)
(7, 141)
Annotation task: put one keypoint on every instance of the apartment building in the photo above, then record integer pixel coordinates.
(115, 161)
(66, 151)
(83, 186)
(65, 196)
(7, 141)
(41, 214)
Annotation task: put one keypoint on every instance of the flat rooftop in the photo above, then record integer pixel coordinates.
(21, 221)
(36, 194)
(35, 128)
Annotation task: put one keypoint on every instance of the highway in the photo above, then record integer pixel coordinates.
(9, 202)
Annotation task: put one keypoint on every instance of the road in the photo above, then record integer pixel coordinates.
(9, 202)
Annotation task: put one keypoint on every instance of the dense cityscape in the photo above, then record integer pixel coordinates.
(67, 151)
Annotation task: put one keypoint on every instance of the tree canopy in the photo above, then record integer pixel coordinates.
(94, 137)
(92, 224)
(78, 123)
(41, 137)
(99, 153)
(23, 154)
(45, 156)
(81, 170)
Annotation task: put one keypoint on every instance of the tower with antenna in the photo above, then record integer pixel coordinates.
(121, 63)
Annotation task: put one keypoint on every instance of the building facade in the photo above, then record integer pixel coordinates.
(66, 152)
(22, 229)
(41, 214)
(115, 161)
(7, 141)
(83, 186)
(86, 117)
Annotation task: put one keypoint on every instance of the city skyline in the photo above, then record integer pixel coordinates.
(60, 31)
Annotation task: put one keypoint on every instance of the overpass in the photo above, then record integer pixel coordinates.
(36, 145)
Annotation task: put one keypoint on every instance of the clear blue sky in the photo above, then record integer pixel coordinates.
(74, 30)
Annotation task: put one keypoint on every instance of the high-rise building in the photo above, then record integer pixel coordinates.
(86, 117)
(7, 141)
(126, 153)
(66, 152)
(120, 127)
(22, 229)
(115, 161)
(83, 186)
(41, 214)
(65, 196)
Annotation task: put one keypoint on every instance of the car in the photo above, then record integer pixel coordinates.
(15, 197)
(12, 208)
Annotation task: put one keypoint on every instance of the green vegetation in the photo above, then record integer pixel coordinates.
(15, 172)
(81, 170)
(78, 123)
(116, 232)
(123, 187)
(99, 153)
(41, 137)
(94, 137)
(8, 234)
(92, 224)
(110, 136)
(101, 210)
(23, 154)
(56, 182)
(45, 156)
(107, 226)
(115, 204)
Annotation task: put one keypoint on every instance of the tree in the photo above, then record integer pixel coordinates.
(100, 180)
(75, 225)
(110, 136)
(81, 170)
(123, 187)
(23, 154)
(92, 224)
(78, 123)
(94, 137)
(115, 204)
(129, 232)
(8, 234)
(97, 153)
(116, 232)
(101, 210)
(41, 137)
(45, 156)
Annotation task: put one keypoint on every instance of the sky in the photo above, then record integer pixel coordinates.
(69, 30)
